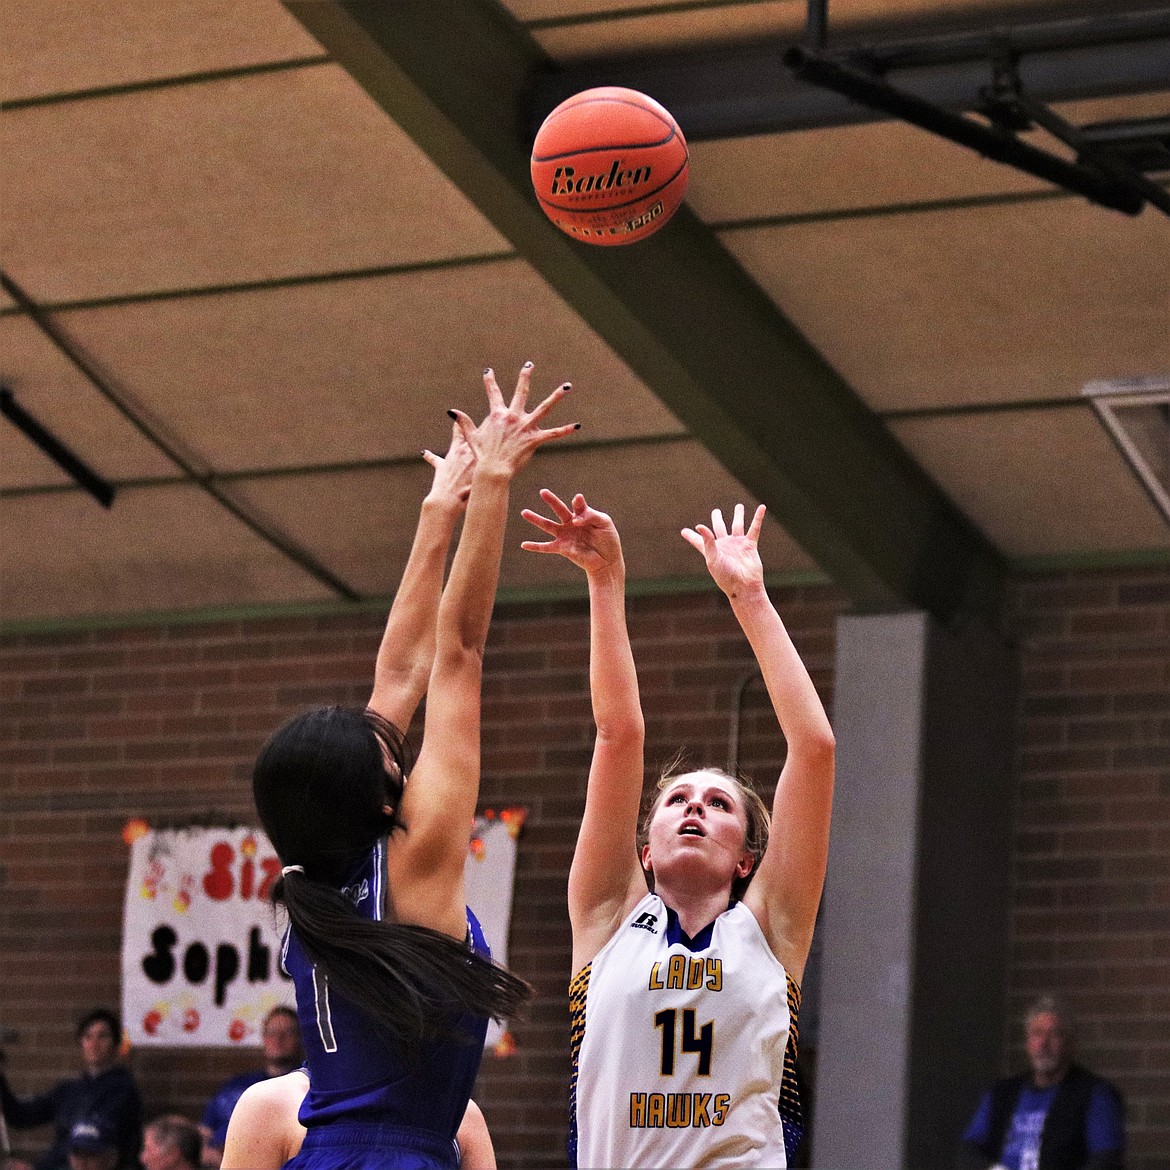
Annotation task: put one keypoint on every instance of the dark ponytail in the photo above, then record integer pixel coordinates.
(321, 784)
(411, 980)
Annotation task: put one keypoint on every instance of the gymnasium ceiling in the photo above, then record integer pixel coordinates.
(252, 252)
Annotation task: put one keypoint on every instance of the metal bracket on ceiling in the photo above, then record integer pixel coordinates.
(998, 102)
(816, 29)
(1005, 104)
(62, 455)
(1096, 174)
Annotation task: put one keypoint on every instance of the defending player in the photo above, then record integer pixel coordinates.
(392, 980)
(264, 1132)
(684, 999)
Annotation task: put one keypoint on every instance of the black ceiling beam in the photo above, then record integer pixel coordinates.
(62, 455)
(679, 310)
(742, 90)
(1098, 183)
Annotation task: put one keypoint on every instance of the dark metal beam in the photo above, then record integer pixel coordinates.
(741, 90)
(994, 141)
(456, 76)
(63, 456)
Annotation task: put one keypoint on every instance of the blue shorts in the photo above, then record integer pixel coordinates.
(374, 1145)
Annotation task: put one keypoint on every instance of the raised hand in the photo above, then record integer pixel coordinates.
(733, 558)
(580, 534)
(507, 438)
(452, 482)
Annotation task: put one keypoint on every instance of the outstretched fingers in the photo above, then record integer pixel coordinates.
(523, 382)
(564, 513)
(552, 527)
(494, 395)
(541, 522)
(757, 524)
(700, 537)
(464, 423)
(538, 412)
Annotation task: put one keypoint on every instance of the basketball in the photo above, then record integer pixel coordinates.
(610, 166)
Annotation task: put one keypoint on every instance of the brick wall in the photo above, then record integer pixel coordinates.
(1092, 870)
(163, 722)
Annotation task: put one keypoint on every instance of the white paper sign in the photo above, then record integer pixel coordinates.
(200, 942)
(200, 945)
(488, 874)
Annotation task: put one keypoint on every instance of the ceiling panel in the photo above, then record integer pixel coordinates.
(63, 48)
(373, 292)
(357, 369)
(987, 305)
(156, 549)
(244, 179)
(820, 172)
(360, 523)
(1038, 482)
(50, 388)
(652, 493)
(644, 28)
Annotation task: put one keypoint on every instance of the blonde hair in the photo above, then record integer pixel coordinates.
(759, 820)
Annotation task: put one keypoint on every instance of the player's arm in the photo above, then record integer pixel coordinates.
(425, 863)
(475, 1142)
(264, 1132)
(407, 650)
(27, 1112)
(786, 889)
(604, 875)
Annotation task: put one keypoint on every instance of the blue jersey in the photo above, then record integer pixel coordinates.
(356, 1074)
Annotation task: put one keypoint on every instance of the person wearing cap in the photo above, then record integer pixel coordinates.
(104, 1096)
(93, 1145)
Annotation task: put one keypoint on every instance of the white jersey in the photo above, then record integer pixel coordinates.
(684, 1049)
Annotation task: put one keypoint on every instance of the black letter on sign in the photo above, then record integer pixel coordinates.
(259, 958)
(196, 962)
(227, 963)
(159, 965)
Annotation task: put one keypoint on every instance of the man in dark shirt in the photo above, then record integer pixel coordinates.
(104, 1095)
(1057, 1116)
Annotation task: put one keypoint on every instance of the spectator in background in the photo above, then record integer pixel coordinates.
(281, 1042)
(93, 1145)
(103, 1099)
(1056, 1116)
(172, 1142)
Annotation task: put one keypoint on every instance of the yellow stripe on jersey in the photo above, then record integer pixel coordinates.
(791, 1114)
(578, 994)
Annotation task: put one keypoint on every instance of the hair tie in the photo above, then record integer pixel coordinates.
(292, 869)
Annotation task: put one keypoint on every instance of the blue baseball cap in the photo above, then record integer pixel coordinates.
(91, 1135)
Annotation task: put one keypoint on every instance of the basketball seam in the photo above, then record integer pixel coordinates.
(610, 101)
(543, 158)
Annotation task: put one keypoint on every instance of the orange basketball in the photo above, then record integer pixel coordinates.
(610, 166)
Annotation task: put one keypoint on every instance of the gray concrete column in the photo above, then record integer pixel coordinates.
(916, 913)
